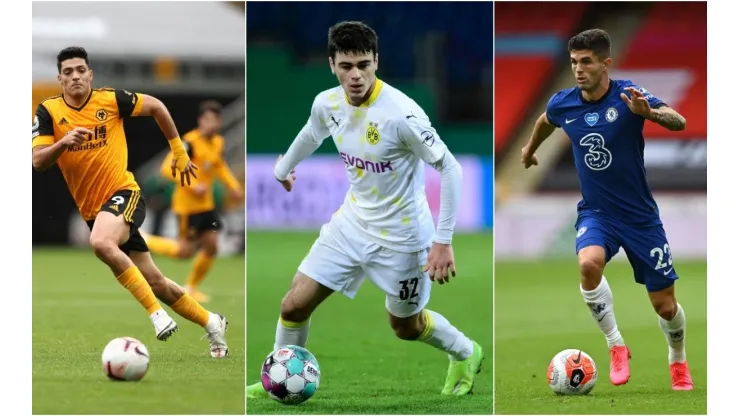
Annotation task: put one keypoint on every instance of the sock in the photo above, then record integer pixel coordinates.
(440, 334)
(201, 265)
(134, 282)
(190, 309)
(163, 246)
(601, 303)
(675, 332)
(291, 333)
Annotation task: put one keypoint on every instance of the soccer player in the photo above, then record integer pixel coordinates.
(81, 130)
(384, 229)
(194, 205)
(604, 119)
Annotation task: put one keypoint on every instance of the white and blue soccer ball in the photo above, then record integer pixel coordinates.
(125, 359)
(290, 374)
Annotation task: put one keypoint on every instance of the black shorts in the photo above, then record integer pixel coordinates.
(193, 226)
(133, 208)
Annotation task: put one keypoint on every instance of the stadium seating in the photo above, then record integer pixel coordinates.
(399, 25)
(670, 50)
(529, 37)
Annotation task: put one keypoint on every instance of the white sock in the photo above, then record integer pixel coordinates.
(601, 303)
(291, 333)
(675, 334)
(440, 334)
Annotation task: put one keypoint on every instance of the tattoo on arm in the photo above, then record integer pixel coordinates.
(668, 118)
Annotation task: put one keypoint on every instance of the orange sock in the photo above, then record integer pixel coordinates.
(201, 265)
(134, 282)
(190, 309)
(163, 246)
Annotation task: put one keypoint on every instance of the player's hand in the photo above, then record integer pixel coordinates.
(528, 158)
(200, 190)
(185, 173)
(76, 136)
(638, 104)
(236, 194)
(287, 183)
(440, 263)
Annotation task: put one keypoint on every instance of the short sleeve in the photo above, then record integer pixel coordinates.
(551, 111)
(42, 131)
(129, 103)
(421, 138)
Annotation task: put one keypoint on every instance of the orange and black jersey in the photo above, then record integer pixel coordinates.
(97, 168)
(207, 154)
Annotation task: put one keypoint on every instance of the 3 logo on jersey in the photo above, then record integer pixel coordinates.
(598, 157)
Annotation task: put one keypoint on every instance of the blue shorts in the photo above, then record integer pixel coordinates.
(646, 247)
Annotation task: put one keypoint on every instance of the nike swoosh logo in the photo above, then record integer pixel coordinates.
(570, 121)
(666, 272)
(577, 360)
(602, 317)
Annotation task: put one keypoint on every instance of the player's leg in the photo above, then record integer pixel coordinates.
(332, 265)
(408, 290)
(650, 256)
(183, 304)
(595, 245)
(208, 229)
(111, 230)
(182, 248)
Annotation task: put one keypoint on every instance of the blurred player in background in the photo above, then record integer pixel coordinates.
(81, 130)
(199, 223)
(384, 230)
(604, 119)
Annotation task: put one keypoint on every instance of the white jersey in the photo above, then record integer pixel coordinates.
(384, 145)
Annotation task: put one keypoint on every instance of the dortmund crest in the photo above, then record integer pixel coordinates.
(372, 134)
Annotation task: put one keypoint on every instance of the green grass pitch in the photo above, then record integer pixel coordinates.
(365, 369)
(78, 307)
(540, 311)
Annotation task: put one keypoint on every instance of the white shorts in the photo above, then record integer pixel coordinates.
(341, 259)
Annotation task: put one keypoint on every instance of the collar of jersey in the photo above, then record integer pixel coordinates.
(373, 96)
(83, 104)
(603, 97)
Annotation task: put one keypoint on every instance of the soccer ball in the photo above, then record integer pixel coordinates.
(125, 359)
(290, 374)
(572, 372)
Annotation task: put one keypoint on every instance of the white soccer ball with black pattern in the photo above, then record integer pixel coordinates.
(125, 359)
(572, 372)
(290, 374)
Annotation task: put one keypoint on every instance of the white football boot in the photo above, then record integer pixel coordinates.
(164, 326)
(216, 333)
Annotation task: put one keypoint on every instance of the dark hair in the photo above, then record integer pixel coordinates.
(352, 37)
(210, 105)
(595, 40)
(71, 53)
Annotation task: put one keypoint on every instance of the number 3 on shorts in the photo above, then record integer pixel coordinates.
(408, 288)
(660, 253)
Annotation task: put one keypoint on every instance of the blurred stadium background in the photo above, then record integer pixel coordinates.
(182, 53)
(440, 54)
(663, 47)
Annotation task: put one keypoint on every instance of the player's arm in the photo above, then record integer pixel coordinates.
(542, 130)
(225, 175)
(304, 145)
(46, 151)
(423, 141)
(668, 118)
(642, 103)
(131, 104)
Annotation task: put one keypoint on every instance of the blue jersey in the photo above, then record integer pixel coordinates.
(608, 147)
